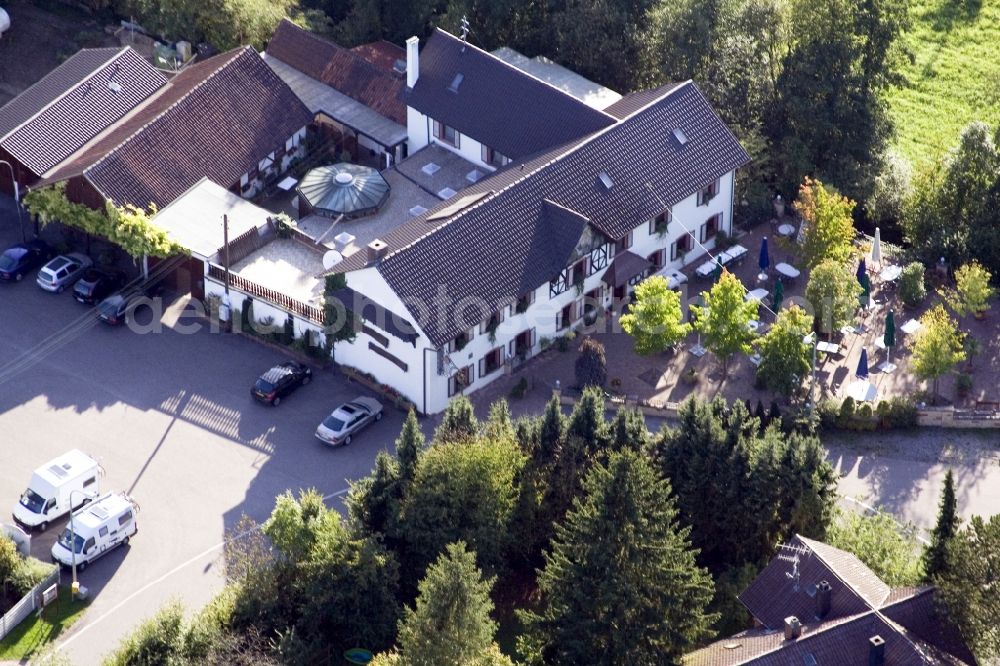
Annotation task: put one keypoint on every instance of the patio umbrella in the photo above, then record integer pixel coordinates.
(862, 372)
(866, 291)
(862, 270)
(779, 295)
(877, 248)
(889, 337)
(764, 261)
(717, 271)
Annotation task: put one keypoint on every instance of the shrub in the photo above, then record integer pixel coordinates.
(246, 314)
(902, 412)
(520, 388)
(864, 411)
(892, 187)
(29, 573)
(828, 410)
(847, 408)
(288, 333)
(591, 366)
(911, 284)
(544, 343)
(963, 383)
(563, 341)
(155, 641)
(723, 241)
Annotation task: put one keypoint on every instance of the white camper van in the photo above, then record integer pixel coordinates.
(48, 494)
(96, 529)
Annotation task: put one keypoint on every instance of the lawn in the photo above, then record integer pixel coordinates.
(954, 79)
(35, 633)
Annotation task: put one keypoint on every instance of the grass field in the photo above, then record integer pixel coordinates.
(35, 633)
(955, 78)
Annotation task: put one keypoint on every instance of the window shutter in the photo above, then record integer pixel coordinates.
(482, 366)
(532, 337)
(511, 346)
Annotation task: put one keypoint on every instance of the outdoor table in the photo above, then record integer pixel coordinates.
(287, 184)
(787, 270)
(753, 325)
(786, 229)
(756, 295)
(828, 347)
(674, 278)
(705, 270)
(735, 253)
(890, 273)
(911, 327)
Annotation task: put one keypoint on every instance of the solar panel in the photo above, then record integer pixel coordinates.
(100, 512)
(58, 470)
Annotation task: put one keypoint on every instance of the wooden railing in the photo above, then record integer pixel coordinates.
(246, 244)
(294, 306)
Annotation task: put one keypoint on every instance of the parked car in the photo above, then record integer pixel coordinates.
(23, 257)
(345, 421)
(279, 381)
(118, 307)
(98, 283)
(63, 271)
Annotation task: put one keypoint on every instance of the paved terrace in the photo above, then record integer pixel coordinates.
(287, 266)
(660, 378)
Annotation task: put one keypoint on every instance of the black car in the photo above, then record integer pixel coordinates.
(116, 308)
(279, 381)
(98, 283)
(23, 257)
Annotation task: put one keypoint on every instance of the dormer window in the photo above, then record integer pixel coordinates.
(456, 82)
(606, 180)
(445, 134)
(679, 136)
(708, 193)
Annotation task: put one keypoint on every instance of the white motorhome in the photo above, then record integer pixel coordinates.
(72, 477)
(96, 529)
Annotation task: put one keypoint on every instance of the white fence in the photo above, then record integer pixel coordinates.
(28, 603)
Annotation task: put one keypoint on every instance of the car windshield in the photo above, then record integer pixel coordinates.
(32, 501)
(10, 257)
(109, 306)
(264, 386)
(67, 538)
(332, 422)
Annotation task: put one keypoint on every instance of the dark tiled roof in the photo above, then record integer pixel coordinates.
(51, 86)
(339, 68)
(919, 614)
(625, 266)
(632, 102)
(496, 103)
(216, 119)
(382, 54)
(484, 252)
(76, 117)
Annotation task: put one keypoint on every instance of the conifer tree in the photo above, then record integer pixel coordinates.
(936, 553)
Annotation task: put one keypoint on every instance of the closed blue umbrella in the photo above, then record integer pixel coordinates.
(764, 260)
(862, 271)
(863, 365)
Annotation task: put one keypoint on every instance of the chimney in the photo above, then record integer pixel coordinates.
(876, 651)
(793, 628)
(823, 594)
(376, 250)
(412, 61)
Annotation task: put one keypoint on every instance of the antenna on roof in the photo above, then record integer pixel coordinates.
(465, 30)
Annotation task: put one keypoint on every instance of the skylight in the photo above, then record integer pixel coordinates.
(456, 82)
(606, 180)
(680, 136)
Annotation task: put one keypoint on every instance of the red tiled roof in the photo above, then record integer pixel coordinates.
(217, 119)
(382, 54)
(339, 68)
(919, 615)
(91, 105)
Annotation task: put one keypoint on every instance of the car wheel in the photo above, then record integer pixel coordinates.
(125, 541)
(276, 401)
(18, 277)
(44, 526)
(378, 416)
(306, 379)
(347, 440)
(60, 289)
(81, 566)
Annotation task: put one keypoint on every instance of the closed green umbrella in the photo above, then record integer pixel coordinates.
(889, 337)
(717, 271)
(866, 291)
(779, 295)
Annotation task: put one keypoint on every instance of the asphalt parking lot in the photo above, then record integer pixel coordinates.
(170, 417)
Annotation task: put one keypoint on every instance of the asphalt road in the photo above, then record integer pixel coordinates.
(170, 417)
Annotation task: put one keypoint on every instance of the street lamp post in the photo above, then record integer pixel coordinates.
(17, 203)
(72, 537)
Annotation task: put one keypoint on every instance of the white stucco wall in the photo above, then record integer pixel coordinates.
(420, 132)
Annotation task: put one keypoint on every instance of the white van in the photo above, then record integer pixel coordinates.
(96, 529)
(49, 492)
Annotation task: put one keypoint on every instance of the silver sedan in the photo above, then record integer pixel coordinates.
(341, 425)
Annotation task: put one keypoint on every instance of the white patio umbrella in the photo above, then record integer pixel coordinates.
(877, 248)
(861, 390)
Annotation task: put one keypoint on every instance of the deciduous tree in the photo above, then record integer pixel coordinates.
(833, 292)
(828, 226)
(591, 367)
(937, 347)
(724, 322)
(972, 291)
(784, 358)
(655, 319)
(878, 541)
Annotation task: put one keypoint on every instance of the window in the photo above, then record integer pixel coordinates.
(711, 227)
(708, 193)
(460, 341)
(579, 272)
(89, 482)
(102, 532)
(491, 362)
(491, 324)
(458, 381)
(565, 316)
(520, 346)
(592, 300)
(623, 243)
(88, 545)
(124, 518)
(493, 158)
(523, 303)
(681, 246)
(658, 225)
(657, 259)
(445, 134)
